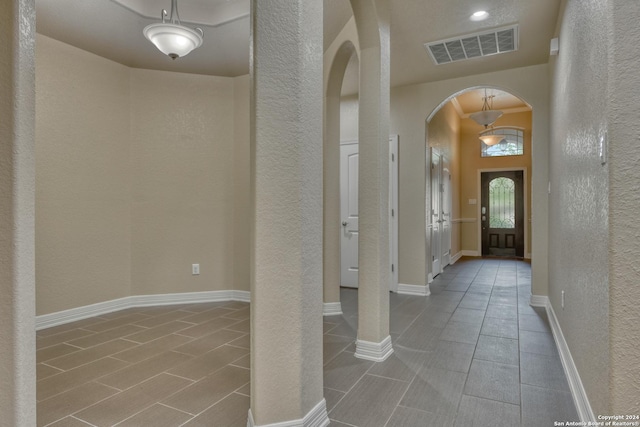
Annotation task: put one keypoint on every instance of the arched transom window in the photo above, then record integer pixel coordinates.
(511, 145)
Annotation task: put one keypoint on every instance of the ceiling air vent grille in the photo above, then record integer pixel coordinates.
(501, 40)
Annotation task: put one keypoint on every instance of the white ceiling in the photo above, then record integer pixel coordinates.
(113, 29)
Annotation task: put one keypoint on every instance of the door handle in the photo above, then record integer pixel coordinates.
(345, 223)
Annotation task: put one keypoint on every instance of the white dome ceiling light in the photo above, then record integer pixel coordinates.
(172, 38)
(480, 15)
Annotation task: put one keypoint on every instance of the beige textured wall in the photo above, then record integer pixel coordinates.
(138, 177)
(349, 118)
(624, 202)
(471, 162)
(578, 250)
(443, 133)
(182, 156)
(594, 250)
(83, 178)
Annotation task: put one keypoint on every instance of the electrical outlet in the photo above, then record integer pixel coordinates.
(562, 299)
(195, 269)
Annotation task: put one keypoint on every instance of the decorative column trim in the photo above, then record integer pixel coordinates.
(331, 309)
(538, 301)
(418, 290)
(317, 417)
(377, 352)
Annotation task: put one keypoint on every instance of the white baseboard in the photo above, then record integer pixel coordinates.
(377, 352)
(331, 309)
(583, 407)
(538, 301)
(418, 290)
(79, 313)
(469, 253)
(317, 417)
(456, 257)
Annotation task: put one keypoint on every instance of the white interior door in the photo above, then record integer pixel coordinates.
(349, 215)
(436, 209)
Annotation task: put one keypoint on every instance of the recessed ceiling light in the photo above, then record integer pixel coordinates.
(479, 15)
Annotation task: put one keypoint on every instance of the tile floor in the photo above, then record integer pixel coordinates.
(474, 353)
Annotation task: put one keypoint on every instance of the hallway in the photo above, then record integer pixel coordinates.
(473, 350)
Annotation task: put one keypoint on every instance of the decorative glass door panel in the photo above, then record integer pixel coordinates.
(502, 214)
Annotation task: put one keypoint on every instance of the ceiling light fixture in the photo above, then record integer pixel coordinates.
(488, 115)
(480, 15)
(172, 38)
(491, 139)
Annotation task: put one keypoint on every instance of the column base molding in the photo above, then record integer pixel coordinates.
(331, 309)
(374, 351)
(419, 290)
(317, 417)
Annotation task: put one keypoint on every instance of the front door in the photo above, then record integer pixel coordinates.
(349, 215)
(502, 214)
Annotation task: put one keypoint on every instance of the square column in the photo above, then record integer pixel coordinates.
(286, 186)
(17, 199)
(374, 262)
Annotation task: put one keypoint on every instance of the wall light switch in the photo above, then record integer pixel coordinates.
(473, 201)
(195, 269)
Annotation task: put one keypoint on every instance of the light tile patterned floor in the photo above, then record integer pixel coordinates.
(472, 353)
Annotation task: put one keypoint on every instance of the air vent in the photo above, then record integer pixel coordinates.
(501, 40)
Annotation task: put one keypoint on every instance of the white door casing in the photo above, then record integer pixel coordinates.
(436, 252)
(349, 213)
(393, 214)
(445, 217)
(440, 212)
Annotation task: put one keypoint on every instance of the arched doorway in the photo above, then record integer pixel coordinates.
(456, 158)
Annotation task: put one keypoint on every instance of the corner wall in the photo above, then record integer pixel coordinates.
(579, 203)
(138, 177)
(182, 155)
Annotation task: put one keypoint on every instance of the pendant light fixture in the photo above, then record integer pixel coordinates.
(491, 139)
(488, 115)
(172, 38)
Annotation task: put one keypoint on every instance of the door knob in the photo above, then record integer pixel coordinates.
(344, 223)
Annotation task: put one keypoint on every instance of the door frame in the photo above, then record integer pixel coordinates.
(525, 195)
(394, 161)
(341, 194)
